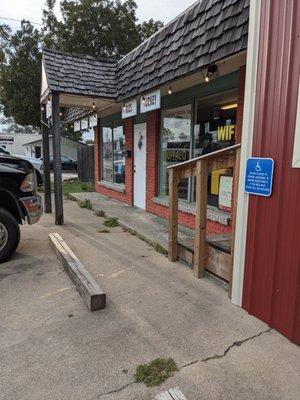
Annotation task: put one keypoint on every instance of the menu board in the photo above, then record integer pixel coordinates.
(225, 193)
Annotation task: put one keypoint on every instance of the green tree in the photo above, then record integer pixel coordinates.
(20, 74)
(100, 28)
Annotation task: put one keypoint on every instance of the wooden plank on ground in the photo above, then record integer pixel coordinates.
(91, 293)
(171, 394)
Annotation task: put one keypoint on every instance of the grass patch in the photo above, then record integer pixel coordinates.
(85, 204)
(155, 373)
(71, 186)
(111, 222)
(157, 247)
(100, 213)
(104, 231)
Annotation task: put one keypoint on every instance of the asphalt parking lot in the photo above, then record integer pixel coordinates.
(52, 347)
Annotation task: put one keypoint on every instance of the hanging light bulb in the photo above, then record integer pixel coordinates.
(206, 78)
(144, 100)
(170, 90)
(94, 105)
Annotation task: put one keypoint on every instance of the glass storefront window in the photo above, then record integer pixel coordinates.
(174, 146)
(215, 129)
(107, 154)
(113, 160)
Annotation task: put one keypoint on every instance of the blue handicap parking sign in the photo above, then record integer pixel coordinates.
(259, 176)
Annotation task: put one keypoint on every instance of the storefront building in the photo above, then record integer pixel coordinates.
(218, 75)
(197, 109)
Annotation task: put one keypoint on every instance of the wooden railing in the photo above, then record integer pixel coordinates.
(199, 168)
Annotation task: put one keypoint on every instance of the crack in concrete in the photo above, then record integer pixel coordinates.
(235, 344)
(204, 360)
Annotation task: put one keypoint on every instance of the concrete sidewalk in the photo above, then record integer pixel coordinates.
(151, 228)
(52, 347)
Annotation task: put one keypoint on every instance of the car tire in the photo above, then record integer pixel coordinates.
(9, 235)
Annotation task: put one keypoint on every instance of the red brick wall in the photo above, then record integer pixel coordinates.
(126, 197)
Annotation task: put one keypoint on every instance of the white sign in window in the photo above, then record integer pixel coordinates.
(84, 124)
(93, 120)
(129, 109)
(296, 156)
(150, 101)
(225, 193)
(77, 126)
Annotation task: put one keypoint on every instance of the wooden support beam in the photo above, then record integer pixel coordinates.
(56, 141)
(46, 161)
(173, 214)
(236, 177)
(201, 217)
(91, 293)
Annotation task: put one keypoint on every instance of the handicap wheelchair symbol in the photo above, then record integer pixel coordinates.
(258, 168)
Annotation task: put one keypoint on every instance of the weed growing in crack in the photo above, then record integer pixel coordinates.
(157, 247)
(85, 204)
(111, 222)
(100, 213)
(155, 373)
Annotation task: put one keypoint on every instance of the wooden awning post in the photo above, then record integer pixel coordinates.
(236, 177)
(173, 214)
(201, 217)
(56, 141)
(46, 161)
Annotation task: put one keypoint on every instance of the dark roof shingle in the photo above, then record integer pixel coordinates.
(207, 32)
(82, 75)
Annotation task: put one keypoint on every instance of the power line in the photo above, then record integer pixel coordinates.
(20, 20)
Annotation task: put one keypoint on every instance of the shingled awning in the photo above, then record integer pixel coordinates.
(75, 76)
(207, 32)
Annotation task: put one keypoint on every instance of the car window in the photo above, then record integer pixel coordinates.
(65, 159)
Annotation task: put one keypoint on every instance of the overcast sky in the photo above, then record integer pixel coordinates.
(164, 10)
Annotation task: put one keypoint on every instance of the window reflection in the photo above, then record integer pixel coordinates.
(175, 145)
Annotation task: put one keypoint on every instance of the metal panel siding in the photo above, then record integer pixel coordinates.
(272, 263)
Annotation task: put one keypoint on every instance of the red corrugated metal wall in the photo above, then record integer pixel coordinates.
(272, 265)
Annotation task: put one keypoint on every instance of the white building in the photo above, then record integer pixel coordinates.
(68, 147)
(14, 143)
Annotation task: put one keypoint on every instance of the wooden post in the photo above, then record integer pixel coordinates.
(46, 161)
(236, 176)
(56, 141)
(200, 255)
(173, 214)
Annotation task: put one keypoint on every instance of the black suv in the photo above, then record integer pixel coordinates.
(18, 202)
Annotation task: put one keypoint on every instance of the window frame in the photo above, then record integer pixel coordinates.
(112, 126)
(173, 107)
